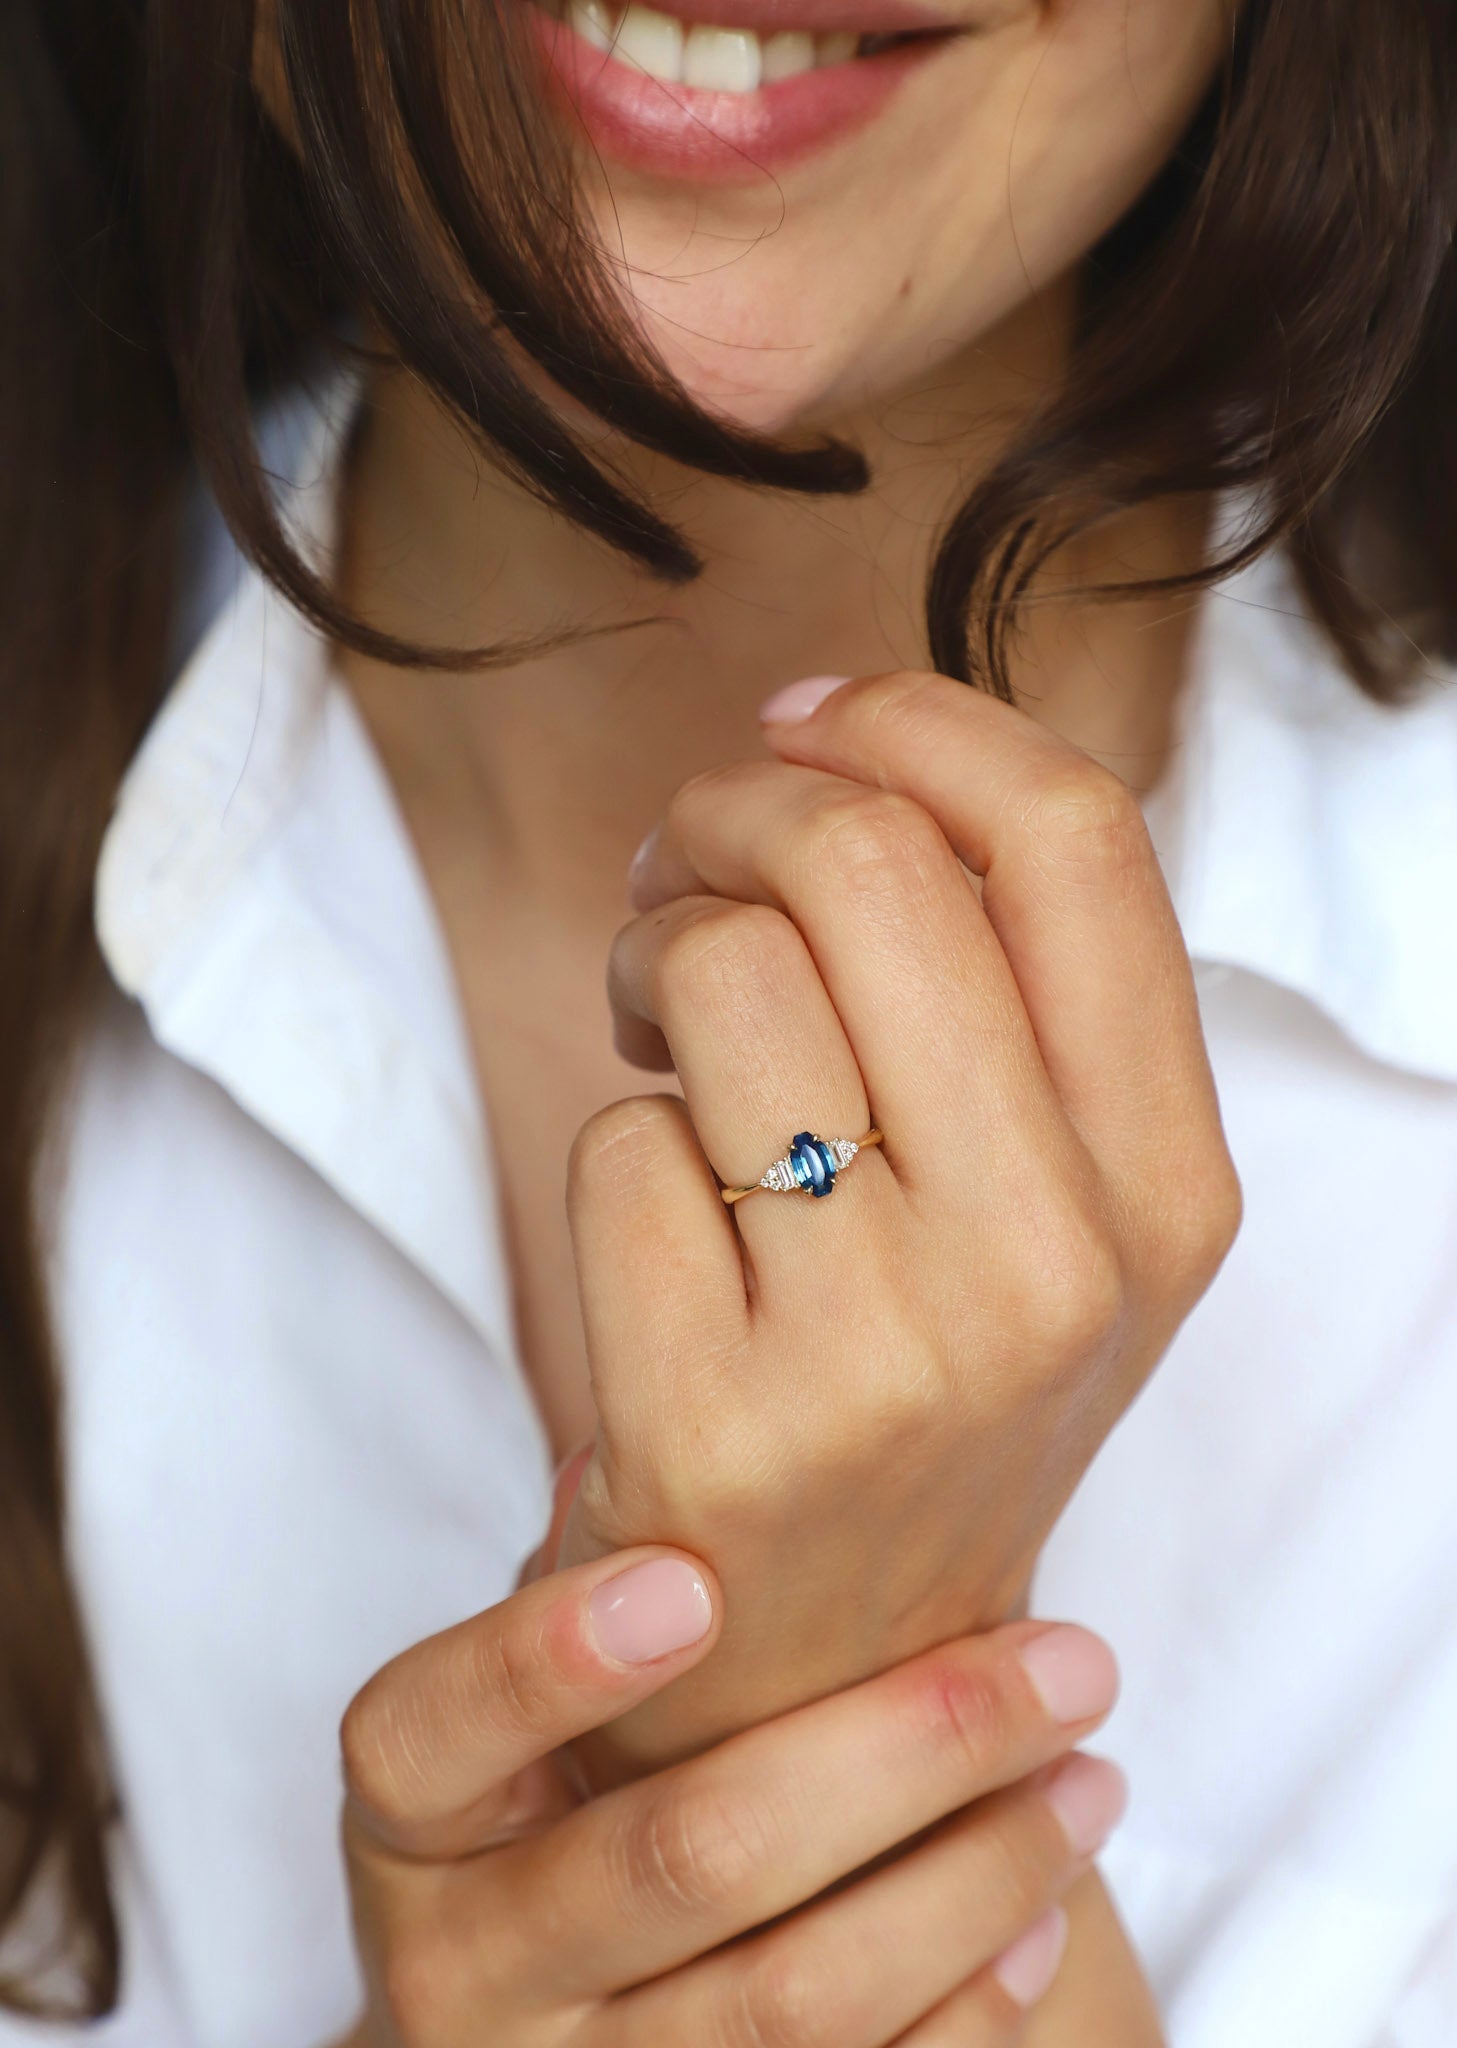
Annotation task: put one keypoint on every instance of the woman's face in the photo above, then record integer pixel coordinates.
(805, 247)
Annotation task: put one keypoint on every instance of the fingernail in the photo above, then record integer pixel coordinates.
(582, 1451)
(650, 1611)
(1025, 1971)
(797, 700)
(1073, 1673)
(1088, 1795)
(641, 858)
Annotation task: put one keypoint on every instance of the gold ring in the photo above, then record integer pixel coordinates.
(811, 1165)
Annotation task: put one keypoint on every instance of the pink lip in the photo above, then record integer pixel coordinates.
(725, 138)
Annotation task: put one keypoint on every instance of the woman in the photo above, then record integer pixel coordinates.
(578, 385)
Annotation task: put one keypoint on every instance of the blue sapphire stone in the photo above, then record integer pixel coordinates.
(813, 1163)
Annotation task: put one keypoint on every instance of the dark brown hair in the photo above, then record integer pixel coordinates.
(1277, 315)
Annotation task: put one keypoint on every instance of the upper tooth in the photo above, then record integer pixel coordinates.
(652, 41)
(720, 59)
(713, 59)
(787, 54)
(594, 22)
(835, 48)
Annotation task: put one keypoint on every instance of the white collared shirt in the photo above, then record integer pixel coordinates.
(300, 1438)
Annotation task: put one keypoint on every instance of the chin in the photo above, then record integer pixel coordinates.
(799, 248)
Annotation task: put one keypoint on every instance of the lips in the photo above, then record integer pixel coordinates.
(727, 91)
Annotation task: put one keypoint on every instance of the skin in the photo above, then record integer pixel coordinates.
(917, 904)
(804, 296)
(953, 1340)
(633, 1917)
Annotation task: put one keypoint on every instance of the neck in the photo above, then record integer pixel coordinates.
(600, 732)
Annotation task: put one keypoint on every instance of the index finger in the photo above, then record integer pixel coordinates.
(433, 1742)
(772, 1817)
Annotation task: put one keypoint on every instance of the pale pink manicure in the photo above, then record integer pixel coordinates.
(650, 1611)
(1073, 1672)
(797, 700)
(1088, 1795)
(1025, 1971)
(641, 858)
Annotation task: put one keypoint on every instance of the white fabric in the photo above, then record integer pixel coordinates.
(299, 1436)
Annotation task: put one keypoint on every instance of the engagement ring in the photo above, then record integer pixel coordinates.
(811, 1163)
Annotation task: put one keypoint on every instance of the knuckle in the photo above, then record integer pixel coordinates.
(1085, 816)
(691, 1854)
(1224, 1214)
(1085, 1310)
(722, 946)
(863, 836)
(702, 790)
(372, 1747)
(905, 703)
(1197, 1224)
(613, 1139)
(1068, 1289)
(1221, 1211)
(968, 1711)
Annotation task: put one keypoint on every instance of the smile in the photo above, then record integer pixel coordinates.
(727, 100)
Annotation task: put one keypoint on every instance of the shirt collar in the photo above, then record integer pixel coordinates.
(258, 895)
(1309, 833)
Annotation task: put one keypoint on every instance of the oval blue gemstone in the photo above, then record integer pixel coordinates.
(813, 1163)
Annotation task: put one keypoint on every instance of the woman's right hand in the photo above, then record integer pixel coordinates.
(708, 1906)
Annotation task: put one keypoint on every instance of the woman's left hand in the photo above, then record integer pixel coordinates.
(867, 1412)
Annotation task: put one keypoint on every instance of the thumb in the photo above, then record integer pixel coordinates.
(436, 1742)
